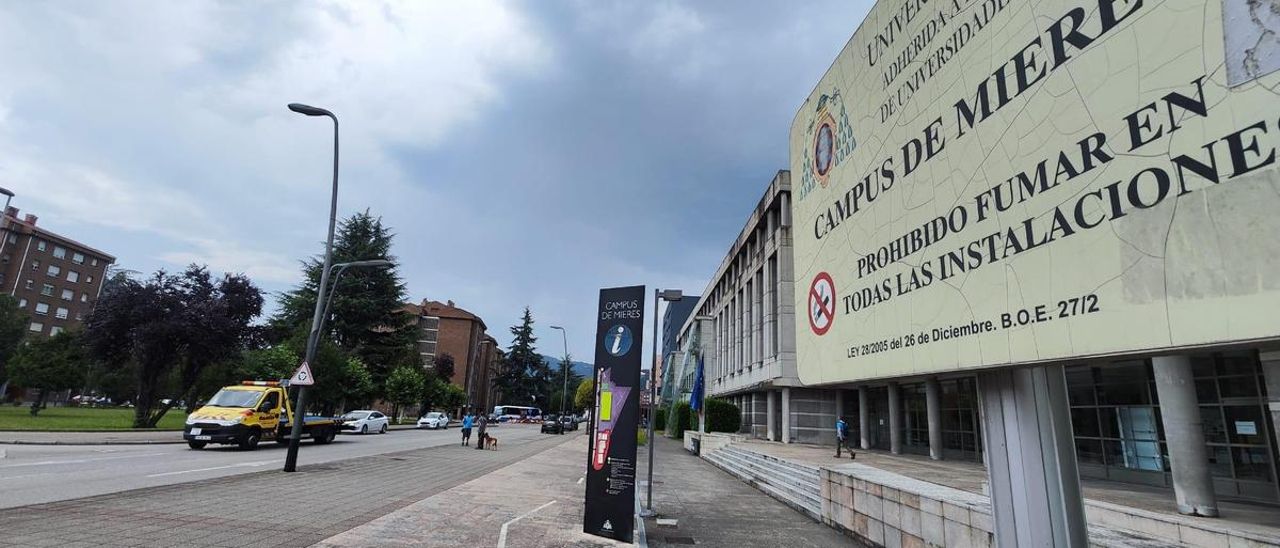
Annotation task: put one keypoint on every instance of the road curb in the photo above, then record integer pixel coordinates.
(177, 433)
(101, 442)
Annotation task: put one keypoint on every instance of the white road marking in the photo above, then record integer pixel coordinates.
(237, 465)
(77, 461)
(502, 533)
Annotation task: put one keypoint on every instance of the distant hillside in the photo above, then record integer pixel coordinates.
(581, 369)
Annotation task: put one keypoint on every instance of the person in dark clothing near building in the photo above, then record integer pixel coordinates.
(484, 421)
(842, 438)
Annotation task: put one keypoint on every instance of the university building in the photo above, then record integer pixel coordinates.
(1116, 405)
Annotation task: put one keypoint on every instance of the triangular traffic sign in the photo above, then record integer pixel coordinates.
(302, 377)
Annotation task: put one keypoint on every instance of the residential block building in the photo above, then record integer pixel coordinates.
(54, 278)
(446, 328)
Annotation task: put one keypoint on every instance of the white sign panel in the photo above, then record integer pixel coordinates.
(987, 182)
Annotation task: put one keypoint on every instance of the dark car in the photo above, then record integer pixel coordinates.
(568, 422)
(551, 424)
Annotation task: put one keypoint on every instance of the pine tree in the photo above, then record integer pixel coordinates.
(524, 374)
(365, 317)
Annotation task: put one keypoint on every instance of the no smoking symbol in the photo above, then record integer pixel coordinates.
(822, 303)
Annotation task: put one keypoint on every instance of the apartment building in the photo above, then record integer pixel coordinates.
(54, 278)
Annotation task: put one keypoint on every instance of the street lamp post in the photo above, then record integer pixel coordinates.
(658, 295)
(291, 458)
(564, 389)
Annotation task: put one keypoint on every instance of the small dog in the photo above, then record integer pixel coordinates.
(491, 442)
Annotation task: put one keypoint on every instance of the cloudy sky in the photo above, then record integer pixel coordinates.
(525, 153)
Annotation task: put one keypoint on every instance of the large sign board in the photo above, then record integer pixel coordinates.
(987, 182)
(611, 468)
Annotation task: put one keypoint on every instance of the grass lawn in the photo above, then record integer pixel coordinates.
(80, 418)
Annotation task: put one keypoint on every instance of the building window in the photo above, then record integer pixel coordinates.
(42, 309)
(77, 258)
(84, 297)
(5, 258)
(22, 303)
(35, 265)
(61, 313)
(55, 330)
(30, 284)
(68, 294)
(73, 276)
(47, 290)
(88, 279)
(93, 262)
(40, 245)
(59, 252)
(79, 316)
(13, 238)
(36, 327)
(54, 270)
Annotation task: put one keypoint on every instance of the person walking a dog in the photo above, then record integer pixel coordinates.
(480, 437)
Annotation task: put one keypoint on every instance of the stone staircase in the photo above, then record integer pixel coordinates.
(796, 485)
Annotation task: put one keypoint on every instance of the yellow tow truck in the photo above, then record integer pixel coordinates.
(249, 412)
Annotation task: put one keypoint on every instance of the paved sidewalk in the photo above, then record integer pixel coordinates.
(265, 509)
(714, 509)
(538, 501)
(116, 437)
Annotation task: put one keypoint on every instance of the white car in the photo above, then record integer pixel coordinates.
(364, 422)
(434, 420)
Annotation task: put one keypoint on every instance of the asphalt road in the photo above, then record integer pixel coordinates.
(40, 474)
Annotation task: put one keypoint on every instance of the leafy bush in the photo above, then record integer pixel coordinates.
(660, 419)
(683, 420)
(723, 416)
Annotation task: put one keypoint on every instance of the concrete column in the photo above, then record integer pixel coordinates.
(895, 419)
(1271, 376)
(786, 415)
(1031, 460)
(1184, 433)
(864, 417)
(771, 423)
(933, 408)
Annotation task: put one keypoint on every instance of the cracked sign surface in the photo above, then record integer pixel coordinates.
(994, 182)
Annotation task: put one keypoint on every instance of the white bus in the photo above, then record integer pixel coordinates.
(505, 413)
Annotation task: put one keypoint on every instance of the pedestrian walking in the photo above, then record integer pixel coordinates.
(484, 421)
(467, 421)
(842, 438)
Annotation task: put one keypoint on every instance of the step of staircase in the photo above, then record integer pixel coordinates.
(775, 474)
(797, 467)
(780, 482)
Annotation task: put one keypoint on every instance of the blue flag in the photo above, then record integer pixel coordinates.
(695, 399)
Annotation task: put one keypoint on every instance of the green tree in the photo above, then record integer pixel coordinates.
(13, 325)
(169, 329)
(366, 315)
(271, 363)
(444, 366)
(49, 365)
(564, 370)
(584, 397)
(404, 386)
(524, 374)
